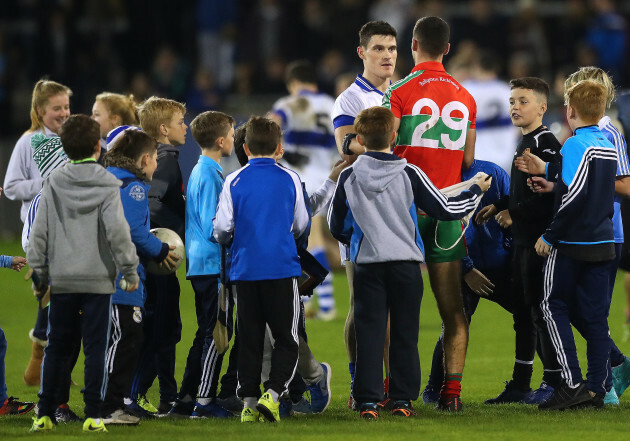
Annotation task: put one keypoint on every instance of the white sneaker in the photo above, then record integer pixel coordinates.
(121, 417)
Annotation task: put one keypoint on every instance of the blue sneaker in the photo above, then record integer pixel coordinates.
(320, 391)
(511, 394)
(430, 394)
(286, 408)
(302, 407)
(621, 376)
(611, 398)
(181, 409)
(540, 395)
(210, 410)
(136, 410)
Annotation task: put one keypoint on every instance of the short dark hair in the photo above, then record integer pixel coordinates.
(79, 135)
(302, 71)
(208, 126)
(372, 28)
(239, 142)
(263, 135)
(128, 148)
(536, 84)
(433, 34)
(375, 125)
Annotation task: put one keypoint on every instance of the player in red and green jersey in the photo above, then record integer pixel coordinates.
(436, 131)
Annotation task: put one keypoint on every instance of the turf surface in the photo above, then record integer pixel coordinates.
(489, 363)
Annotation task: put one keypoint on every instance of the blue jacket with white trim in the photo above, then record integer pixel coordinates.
(582, 224)
(133, 194)
(202, 196)
(261, 212)
(374, 208)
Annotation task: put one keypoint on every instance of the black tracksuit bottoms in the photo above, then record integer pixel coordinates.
(267, 302)
(123, 354)
(70, 316)
(378, 288)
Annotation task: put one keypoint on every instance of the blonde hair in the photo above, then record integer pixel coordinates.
(591, 73)
(121, 105)
(157, 111)
(588, 98)
(42, 92)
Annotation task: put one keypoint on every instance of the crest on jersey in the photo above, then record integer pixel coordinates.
(137, 193)
(137, 314)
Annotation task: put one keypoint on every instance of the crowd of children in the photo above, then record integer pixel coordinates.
(544, 243)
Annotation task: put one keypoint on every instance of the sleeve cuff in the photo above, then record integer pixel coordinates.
(163, 253)
(545, 240)
(343, 120)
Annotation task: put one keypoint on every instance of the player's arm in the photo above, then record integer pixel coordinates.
(19, 184)
(355, 147)
(622, 186)
(432, 201)
(469, 149)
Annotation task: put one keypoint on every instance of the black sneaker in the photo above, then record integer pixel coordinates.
(63, 414)
(369, 411)
(511, 394)
(164, 407)
(136, 410)
(451, 404)
(386, 404)
(565, 397)
(181, 409)
(403, 409)
(13, 406)
(232, 403)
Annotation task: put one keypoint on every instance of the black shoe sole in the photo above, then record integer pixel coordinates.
(266, 413)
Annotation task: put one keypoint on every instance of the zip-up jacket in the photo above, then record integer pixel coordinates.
(166, 197)
(133, 195)
(531, 212)
(261, 212)
(374, 208)
(585, 191)
(202, 196)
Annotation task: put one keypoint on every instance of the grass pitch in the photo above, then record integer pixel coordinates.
(489, 363)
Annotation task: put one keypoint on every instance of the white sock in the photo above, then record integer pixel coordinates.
(250, 402)
(97, 421)
(274, 395)
(204, 401)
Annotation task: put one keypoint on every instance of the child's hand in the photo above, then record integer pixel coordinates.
(485, 214)
(478, 283)
(171, 260)
(337, 169)
(484, 182)
(530, 163)
(542, 249)
(18, 263)
(540, 185)
(504, 219)
(132, 286)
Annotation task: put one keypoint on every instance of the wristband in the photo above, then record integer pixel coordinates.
(345, 145)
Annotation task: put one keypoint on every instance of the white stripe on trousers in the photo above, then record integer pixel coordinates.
(208, 371)
(556, 339)
(294, 330)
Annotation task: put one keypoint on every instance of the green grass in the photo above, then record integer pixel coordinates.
(489, 363)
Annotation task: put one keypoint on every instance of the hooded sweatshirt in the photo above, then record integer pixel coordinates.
(80, 237)
(374, 208)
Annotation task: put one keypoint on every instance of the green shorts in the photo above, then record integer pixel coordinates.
(447, 233)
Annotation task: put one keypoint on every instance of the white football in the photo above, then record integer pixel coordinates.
(172, 238)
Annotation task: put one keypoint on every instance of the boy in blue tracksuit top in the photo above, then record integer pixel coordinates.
(132, 159)
(261, 212)
(214, 132)
(382, 193)
(580, 246)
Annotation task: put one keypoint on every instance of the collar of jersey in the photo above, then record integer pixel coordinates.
(366, 85)
(211, 162)
(262, 161)
(589, 128)
(429, 65)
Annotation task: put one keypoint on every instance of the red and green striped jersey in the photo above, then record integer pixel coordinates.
(435, 114)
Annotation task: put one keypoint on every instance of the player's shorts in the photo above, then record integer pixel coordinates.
(448, 232)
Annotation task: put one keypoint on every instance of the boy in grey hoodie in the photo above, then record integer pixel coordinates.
(374, 210)
(79, 241)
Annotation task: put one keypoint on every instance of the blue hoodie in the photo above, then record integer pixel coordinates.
(133, 194)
